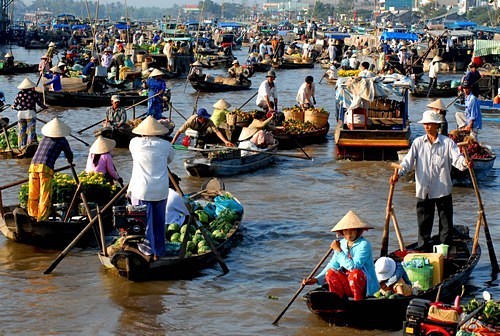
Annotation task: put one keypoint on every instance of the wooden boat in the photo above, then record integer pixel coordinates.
(261, 67)
(122, 136)
(126, 258)
(488, 109)
(18, 68)
(207, 86)
(292, 65)
(35, 45)
(389, 314)
(16, 153)
(290, 141)
(224, 162)
(376, 133)
(444, 89)
(94, 99)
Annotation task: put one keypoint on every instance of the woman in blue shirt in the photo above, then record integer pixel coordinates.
(156, 86)
(55, 79)
(351, 271)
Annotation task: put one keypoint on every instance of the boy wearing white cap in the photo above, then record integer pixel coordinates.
(432, 155)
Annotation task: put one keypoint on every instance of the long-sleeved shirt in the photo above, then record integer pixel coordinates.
(473, 111)
(265, 89)
(49, 150)
(433, 163)
(105, 165)
(116, 117)
(176, 208)
(56, 82)
(434, 70)
(27, 100)
(359, 256)
(150, 156)
(305, 94)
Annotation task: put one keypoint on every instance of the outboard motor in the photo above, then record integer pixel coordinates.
(130, 219)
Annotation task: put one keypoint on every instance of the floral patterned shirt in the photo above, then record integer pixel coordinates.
(27, 100)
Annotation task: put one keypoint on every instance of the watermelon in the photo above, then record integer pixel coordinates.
(202, 243)
(176, 237)
(203, 249)
(191, 247)
(173, 227)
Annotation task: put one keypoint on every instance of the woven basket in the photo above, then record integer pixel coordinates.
(294, 115)
(318, 119)
(231, 119)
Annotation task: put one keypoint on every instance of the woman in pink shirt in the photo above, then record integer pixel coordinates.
(101, 161)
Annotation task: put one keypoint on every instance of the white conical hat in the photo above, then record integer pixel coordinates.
(438, 104)
(197, 63)
(7, 55)
(52, 44)
(102, 145)
(437, 59)
(56, 129)
(222, 104)
(156, 72)
(351, 221)
(150, 126)
(55, 69)
(26, 84)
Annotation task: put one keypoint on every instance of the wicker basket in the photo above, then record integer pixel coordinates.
(224, 154)
(318, 119)
(424, 275)
(231, 119)
(294, 115)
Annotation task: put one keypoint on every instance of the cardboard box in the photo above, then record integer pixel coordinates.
(435, 259)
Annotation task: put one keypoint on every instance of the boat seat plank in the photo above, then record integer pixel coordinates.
(387, 121)
(373, 142)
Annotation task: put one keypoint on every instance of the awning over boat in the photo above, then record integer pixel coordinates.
(60, 25)
(338, 36)
(230, 25)
(457, 33)
(399, 36)
(122, 26)
(486, 47)
(461, 24)
(80, 26)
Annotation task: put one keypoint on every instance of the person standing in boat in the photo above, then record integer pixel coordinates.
(432, 155)
(44, 65)
(350, 272)
(267, 97)
(41, 170)
(156, 86)
(149, 182)
(101, 161)
(25, 103)
(51, 52)
(305, 96)
(54, 83)
(9, 59)
(472, 77)
(403, 56)
(168, 51)
(471, 119)
(116, 116)
(434, 70)
(438, 107)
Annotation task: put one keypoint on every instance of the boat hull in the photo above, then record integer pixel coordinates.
(205, 86)
(290, 141)
(73, 99)
(291, 65)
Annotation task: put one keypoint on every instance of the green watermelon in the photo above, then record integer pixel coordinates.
(173, 227)
(176, 237)
(203, 249)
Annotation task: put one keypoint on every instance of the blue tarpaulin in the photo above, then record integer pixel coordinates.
(80, 26)
(229, 24)
(461, 24)
(338, 36)
(399, 36)
(60, 25)
(122, 26)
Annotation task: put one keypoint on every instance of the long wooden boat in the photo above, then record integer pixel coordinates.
(261, 67)
(292, 65)
(94, 99)
(228, 162)
(443, 90)
(18, 68)
(15, 153)
(204, 86)
(290, 141)
(482, 168)
(122, 136)
(389, 314)
(378, 133)
(125, 256)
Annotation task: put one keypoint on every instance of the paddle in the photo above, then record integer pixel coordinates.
(17, 121)
(126, 109)
(173, 108)
(193, 221)
(302, 285)
(239, 108)
(481, 216)
(195, 106)
(459, 95)
(430, 87)
(85, 229)
(300, 146)
(71, 135)
(388, 210)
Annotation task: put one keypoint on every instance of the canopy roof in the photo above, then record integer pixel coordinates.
(399, 36)
(486, 47)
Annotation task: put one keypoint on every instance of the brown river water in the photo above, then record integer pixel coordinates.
(290, 208)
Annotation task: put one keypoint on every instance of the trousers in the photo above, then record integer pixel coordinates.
(40, 191)
(347, 284)
(425, 219)
(155, 225)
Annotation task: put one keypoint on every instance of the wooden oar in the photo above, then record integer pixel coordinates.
(239, 108)
(388, 210)
(126, 109)
(85, 229)
(195, 106)
(24, 180)
(71, 135)
(300, 146)
(173, 108)
(6, 136)
(302, 285)
(481, 216)
(193, 220)
(430, 87)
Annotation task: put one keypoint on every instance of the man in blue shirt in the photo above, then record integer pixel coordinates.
(471, 119)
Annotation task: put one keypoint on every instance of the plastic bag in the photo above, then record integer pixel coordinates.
(225, 202)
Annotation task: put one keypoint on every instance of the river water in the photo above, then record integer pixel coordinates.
(290, 208)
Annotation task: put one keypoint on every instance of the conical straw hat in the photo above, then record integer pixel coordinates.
(55, 69)
(26, 84)
(150, 126)
(222, 104)
(56, 129)
(156, 72)
(197, 63)
(102, 145)
(351, 221)
(438, 104)
(253, 128)
(7, 55)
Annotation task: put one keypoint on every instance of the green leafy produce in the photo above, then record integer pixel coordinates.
(203, 216)
(203, 249)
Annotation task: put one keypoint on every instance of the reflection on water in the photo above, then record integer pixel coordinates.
(290, 208)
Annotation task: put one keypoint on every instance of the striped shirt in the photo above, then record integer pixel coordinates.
(49, 150)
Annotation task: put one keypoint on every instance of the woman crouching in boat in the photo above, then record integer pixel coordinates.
(350, 272)
(101, 161)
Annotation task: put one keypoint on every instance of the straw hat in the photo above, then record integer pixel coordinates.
(44, 56)
(385, 268)
(52, 44)
(102, 145)
(150, 126)
(236, 62)
(222, 104)
(26, 84)
(430, 117)
(350, 221)
(7, 55)
(255, 126)
(155, 73)
(197, 63)
(60, 64)
(55, 69)
(56, 129)
(437, 59)
(115, 98)
(437, 104)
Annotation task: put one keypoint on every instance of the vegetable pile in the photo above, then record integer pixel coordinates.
(474, 149)
(12, 135)
(490, 314)
(348, 73)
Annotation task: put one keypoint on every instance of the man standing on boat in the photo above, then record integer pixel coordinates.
(471, 119)
(167, 50)
(432, 155)
(267, 97)
(41, 171)
(434, 70)
(305, 96)
(156, 86)
(472, 78)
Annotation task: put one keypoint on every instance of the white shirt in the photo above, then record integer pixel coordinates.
(305, 93)
(176, 208)
(150, 156)
(266, 90)
(167, 50)
(433, 164)
(433, 70)
(366, 74)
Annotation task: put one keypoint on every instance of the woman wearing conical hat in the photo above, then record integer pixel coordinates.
(101, 161)
(149, 181)
(9, 59)
(41, 171)
(54, 83)
(351, 271)
(434, 70)
(156, 86)
(25, 103)
(220, 109)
